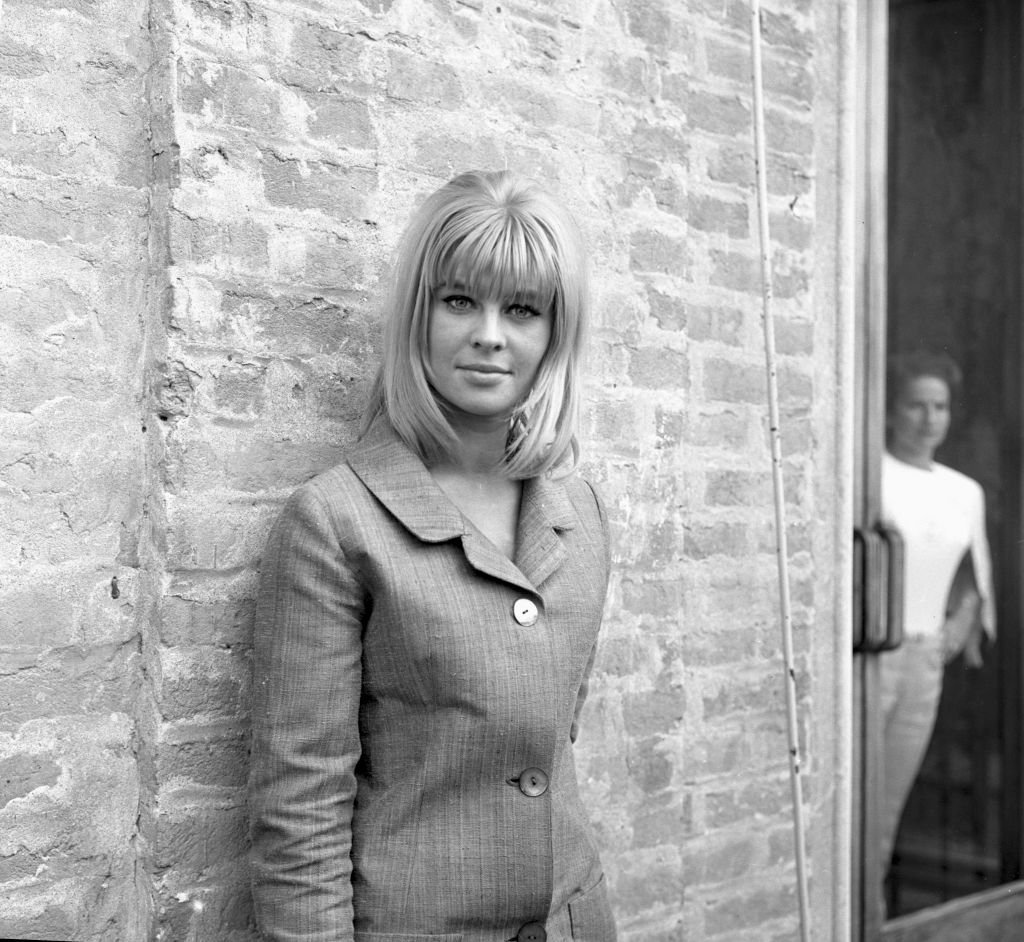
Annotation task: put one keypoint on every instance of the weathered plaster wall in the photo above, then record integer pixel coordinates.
(201, 249)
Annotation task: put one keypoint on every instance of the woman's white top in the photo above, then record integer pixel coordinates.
(941, 516)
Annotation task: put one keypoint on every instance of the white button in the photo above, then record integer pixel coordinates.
(525, 612)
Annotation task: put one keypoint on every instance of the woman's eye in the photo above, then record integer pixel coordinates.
(458, 302)
(523, 311)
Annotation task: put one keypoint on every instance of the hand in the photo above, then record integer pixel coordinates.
(972, 648)
(962, 631)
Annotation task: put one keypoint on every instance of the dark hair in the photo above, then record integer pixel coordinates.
(906, 367)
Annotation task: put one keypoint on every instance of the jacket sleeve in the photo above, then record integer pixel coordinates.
(606, 559)
(307, 676)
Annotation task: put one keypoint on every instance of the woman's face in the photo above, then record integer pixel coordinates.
(919, 419)
(484, 352)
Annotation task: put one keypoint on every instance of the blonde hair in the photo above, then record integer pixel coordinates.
(501, 235)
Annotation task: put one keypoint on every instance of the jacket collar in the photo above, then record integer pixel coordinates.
(401, 482)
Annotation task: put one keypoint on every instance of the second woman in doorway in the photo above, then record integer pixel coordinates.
(948, 603)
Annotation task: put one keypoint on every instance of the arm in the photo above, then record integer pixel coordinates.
(581, 695)
(962, 629)
(981, 558)
(974, 615)
(305, 728)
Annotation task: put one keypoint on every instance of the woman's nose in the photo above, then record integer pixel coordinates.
(487, 329)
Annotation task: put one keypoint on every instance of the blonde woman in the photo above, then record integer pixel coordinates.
(429, 611)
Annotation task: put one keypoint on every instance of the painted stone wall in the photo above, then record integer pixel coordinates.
(199, 198)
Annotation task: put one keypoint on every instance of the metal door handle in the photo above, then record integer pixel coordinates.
(878, 557)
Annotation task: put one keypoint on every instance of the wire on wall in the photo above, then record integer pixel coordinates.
(782, 552)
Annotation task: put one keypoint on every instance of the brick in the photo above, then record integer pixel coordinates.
(225, 537)
(720, 751)
(781, 76)
(720, 324)
(332, 259)
(626, 77)
(246, 463)
(671, 428)
(104, 219)
(652, 596)
(701, 648)
(223, 623)
(442, 153)
(738, 488)
(781, 29)
(662, 145)
(736, 271)
(658, 368)
(54, 921)
(71, 681)
(204, 755)
(204, 682)
(787, 175)
(652, 251)
(542, 109)
(720, 859)
(323, 58)
(717, 114)
(796, 389)
(659, 546)
(220, 247)
(714, 215)
(621, 422)
(216, 92)
(746, 907)
(720, 428)
(735, 805)
(414, 78)
(728, 381)
(340, 120)
(30, 618)
(670, 312)
(653, 878)
(191, 840)
(738, 693)
(663, 826)
(22, 773)
(209, 908)
(20, 61)
(653, 712)
(790, 230)
(294, 323)
(336, 191)
(791, 284)
(788, 133)
(649, 20)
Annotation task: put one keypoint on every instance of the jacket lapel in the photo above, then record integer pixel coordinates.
(401, 482)
(544, 511)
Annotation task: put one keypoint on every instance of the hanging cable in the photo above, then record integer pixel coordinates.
(782, 552)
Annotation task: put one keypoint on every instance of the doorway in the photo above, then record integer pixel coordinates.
(944, 275)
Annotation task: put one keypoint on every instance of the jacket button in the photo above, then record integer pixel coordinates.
(524, 611)
(532, 932)
(533, 782)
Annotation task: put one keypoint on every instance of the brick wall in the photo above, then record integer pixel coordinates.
(73, 285)
(198, 200)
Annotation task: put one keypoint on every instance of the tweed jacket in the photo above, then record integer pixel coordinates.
(415, 703)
